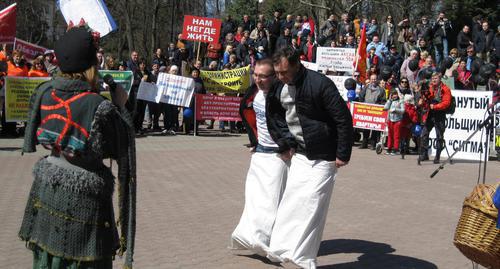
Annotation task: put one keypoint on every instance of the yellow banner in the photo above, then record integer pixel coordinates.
(235, 80)
(18, 91)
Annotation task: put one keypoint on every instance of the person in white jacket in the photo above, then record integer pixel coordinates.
(396, 109)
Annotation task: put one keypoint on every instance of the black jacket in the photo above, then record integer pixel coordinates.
(463, 40)
(324, 118)
(484, 41)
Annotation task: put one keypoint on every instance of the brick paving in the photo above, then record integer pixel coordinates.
(385, 212)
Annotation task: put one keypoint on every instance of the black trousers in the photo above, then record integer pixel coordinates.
(434, 120)
(170, 116)
(373, 138)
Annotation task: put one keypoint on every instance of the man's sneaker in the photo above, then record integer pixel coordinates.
(394, 152)
(436, 161)
(388, 152)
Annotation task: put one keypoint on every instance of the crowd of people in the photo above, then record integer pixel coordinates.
(397, 53)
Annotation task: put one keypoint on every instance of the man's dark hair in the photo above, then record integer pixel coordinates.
(291, 55)
(265, 61)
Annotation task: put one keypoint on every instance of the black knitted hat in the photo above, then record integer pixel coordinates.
(76, 50)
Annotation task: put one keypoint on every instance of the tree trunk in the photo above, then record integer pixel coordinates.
(128, 26)
(154, 24)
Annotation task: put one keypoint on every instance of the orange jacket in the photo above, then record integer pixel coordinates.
(445, 96)
(3, 57)
(16, 71)
(37, 73)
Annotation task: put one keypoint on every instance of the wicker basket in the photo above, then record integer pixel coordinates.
(476, 235)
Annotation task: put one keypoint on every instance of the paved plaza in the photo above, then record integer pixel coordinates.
(385, 212)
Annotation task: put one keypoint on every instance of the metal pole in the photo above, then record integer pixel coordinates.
(198, 53)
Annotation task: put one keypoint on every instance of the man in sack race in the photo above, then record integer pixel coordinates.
(69, 220)
(312, 126)
(267, 173)
(436, 101)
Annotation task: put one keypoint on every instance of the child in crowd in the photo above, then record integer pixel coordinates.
(409, 119)
(396, 110)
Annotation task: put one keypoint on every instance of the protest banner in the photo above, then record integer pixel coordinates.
(335, 59)
(310, 65)
(235, 80)
(124, 78)
(214, 107)
(368, 116)
(497, 131)
(201, 29)
(8, 24)
(470, 111)
(339, 82)
(94, 12)
(148, 92)
(30, 51)
(175, 90)
(18, 91)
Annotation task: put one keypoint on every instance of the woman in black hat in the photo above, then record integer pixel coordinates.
(69, 219)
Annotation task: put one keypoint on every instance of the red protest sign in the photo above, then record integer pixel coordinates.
(30, 51)
(201, 29)
(214, 107)
(369, 116)
(8, 24)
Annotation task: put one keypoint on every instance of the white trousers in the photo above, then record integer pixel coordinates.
(301, 216)
(264, 186)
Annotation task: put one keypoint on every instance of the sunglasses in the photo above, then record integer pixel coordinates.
(404, 81)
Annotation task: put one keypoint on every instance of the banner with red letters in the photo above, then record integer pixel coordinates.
(214, 107)
(8, 24)
(368, 116)
(30, 51)
(201, 29)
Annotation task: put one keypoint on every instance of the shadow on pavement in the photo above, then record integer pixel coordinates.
(260, 258)
(374, 255)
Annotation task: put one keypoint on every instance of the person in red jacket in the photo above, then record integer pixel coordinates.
(38, 69)
(438, 99)
(16, 67)
(410, 117)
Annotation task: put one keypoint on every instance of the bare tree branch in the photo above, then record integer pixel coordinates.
(314, 5)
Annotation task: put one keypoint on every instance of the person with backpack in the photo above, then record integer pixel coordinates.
(438, 99)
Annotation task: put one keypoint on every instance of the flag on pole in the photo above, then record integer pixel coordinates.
(93, 12)
(360, 60)
(8, 24)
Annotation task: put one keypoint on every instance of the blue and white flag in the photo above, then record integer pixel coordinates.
(94, 12)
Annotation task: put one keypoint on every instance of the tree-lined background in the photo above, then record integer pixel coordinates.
(144, 25)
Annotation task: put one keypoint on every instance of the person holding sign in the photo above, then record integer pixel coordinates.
(312, 127)
(69, 220)
(267, 173)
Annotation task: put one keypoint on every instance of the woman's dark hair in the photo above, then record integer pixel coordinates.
(291, 55)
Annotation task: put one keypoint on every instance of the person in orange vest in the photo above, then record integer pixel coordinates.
(16, 67)
(38, 69)
(3, 53)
